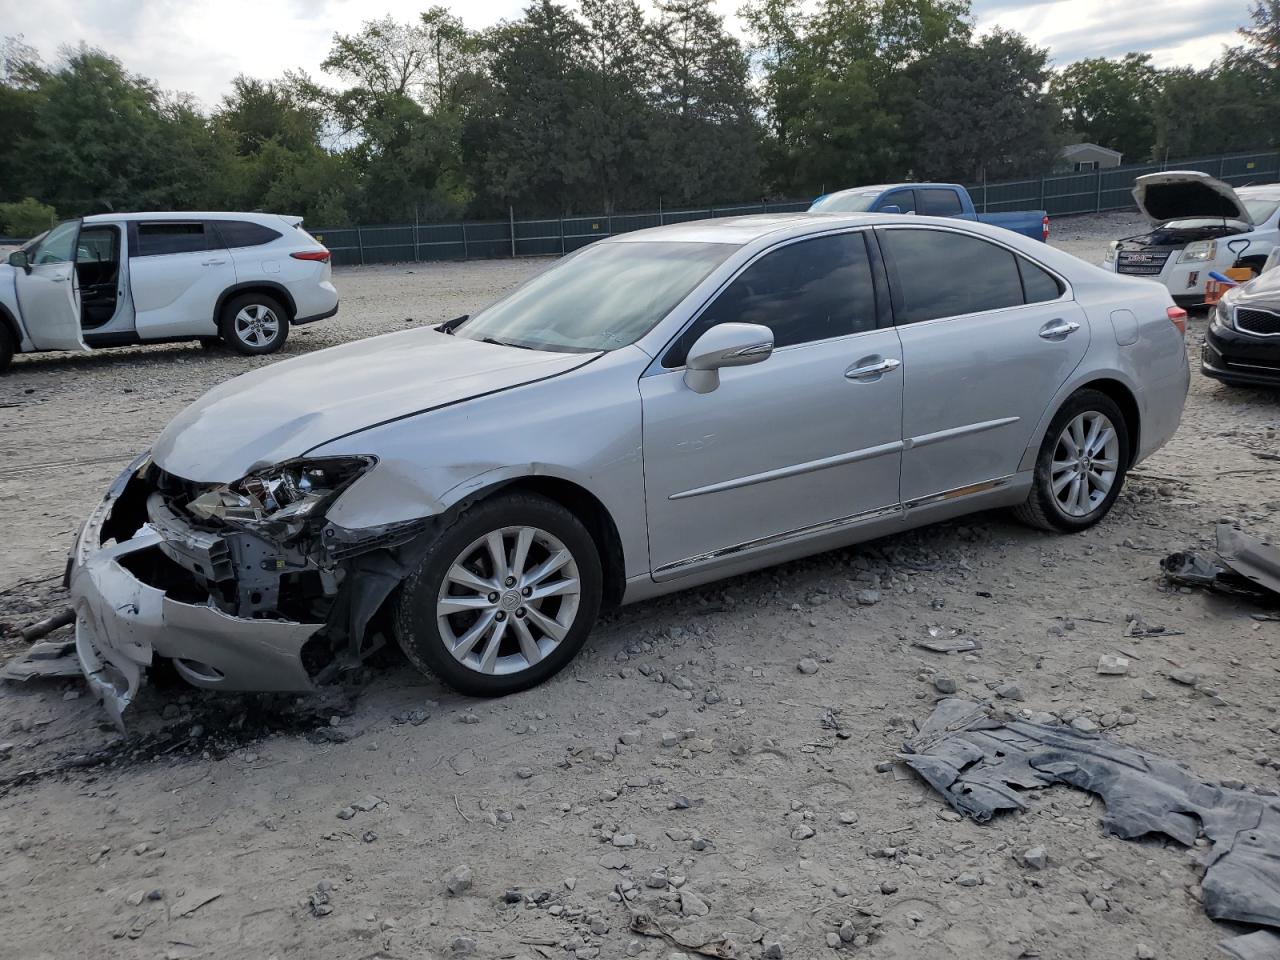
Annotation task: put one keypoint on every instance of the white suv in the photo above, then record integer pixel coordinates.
(120, 279)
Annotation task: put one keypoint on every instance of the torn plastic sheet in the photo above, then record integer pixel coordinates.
(982, 766)
(1244, 566)
(1259, 945)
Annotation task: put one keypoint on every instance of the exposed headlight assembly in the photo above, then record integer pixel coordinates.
(1200, 251)
(1222, 314)
(288, 493)
(1111, 251)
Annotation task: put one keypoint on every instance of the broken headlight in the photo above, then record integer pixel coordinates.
(287, 493)
(1200, 251)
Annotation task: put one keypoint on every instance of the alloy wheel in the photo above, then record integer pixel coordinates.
(508, 600)
(257, 325)
(1085, 463)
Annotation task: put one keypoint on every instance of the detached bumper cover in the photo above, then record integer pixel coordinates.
(122, 624)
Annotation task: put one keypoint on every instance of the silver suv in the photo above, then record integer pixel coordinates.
(122, 279)
(659, 410)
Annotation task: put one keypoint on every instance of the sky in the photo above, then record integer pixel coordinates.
(199, 47)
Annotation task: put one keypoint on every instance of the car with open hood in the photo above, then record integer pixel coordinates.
(1199, 224)
(656, 411)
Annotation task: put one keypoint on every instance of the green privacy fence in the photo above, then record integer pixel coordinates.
(1060, 195)
(511, 237)
(1098, 190)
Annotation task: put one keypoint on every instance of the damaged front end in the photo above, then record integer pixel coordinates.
(243, 586)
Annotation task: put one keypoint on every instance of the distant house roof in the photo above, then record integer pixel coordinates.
(1072, 149)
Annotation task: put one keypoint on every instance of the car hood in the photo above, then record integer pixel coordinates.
(1262, 292)
(281, 411)
(1184, 194)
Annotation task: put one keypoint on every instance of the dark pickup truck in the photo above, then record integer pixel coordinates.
(930, 200)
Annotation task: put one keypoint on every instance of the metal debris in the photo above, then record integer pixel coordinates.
(42, 628)
(50, 659)
(1244, 566)
(982, 766)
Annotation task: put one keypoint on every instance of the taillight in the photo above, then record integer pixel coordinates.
(1178, 317)
(1044, 228)
(320, 255)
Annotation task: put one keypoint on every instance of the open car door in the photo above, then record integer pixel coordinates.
(49, 293)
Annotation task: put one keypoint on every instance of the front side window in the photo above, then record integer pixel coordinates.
(940, 273)
(806, 291)
(936, 202)
(606, 296)
(155, 239)
(1260, 210)
(58, 245)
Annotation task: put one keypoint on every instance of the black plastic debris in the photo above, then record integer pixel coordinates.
(982, 766)
(1244, 566)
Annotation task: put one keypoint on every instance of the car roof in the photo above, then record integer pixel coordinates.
(741, 231)
(186, 215)
(1262, 191)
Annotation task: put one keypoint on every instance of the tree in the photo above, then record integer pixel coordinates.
(1110, 102)
(26, 218)
(706, 136)
(1264, 36)
(981, 109)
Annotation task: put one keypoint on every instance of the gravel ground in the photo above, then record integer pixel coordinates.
(683, 760)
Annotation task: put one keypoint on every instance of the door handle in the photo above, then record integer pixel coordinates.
(1058, 329)
(59, 279)
(212, 263)
(873, 368)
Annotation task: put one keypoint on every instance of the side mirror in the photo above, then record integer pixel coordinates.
(725, 345)
(891, 208)
(19, 259)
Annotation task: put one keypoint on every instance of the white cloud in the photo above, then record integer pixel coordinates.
(200, 47)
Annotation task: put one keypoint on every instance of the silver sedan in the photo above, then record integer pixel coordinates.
(658, 410)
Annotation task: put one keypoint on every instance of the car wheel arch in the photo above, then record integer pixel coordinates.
(277, 291)
(10, 323)
(1124, 397)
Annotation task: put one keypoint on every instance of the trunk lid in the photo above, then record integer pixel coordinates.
(1187, 194)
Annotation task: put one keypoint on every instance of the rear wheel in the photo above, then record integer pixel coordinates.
(254, 324)
(505, 598)
(1081, 466)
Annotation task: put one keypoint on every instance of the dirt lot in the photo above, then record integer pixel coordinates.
(215, 829)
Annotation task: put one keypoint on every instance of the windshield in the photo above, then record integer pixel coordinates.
(846, 202)
(1260, 209)
(603, 298)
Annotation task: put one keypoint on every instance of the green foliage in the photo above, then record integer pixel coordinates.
(610, 105)
(26, 218)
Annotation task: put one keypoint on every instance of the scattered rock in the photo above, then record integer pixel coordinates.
(1185, 677)
(1085, 725)
(807, 665)
(459, 880)
(1009, 691)
(1109, 665)
(1036, 858)
(691, 905)
(867, 598)
(944, 684)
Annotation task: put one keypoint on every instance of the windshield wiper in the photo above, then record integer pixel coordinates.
(503, 343)
(451, 325)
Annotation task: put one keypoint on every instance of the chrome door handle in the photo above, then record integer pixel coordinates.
(212, 263)
(1058, 329)
(873, 369)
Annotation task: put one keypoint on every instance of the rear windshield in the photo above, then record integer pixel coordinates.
(603, 297)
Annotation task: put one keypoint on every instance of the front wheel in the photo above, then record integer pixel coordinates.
(504, 599)
(1081, 466)
(7, 347)
(254, 324)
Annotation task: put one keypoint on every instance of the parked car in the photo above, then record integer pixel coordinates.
(122, 279)
(933, 200)
(1199, 224)
(1242, 344)
(658, 410)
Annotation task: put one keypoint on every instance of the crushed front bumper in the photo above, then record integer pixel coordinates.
(124, 623)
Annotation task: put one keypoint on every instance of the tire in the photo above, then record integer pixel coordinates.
(254, 324)
(459, 572)
(1077, 507)
(7, 347)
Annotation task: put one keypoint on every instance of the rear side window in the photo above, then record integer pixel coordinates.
(938, 273)
(939, 203)
(904, 200)
(243, 233)
(1038, 284)
(806, 291)
(160, 238)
